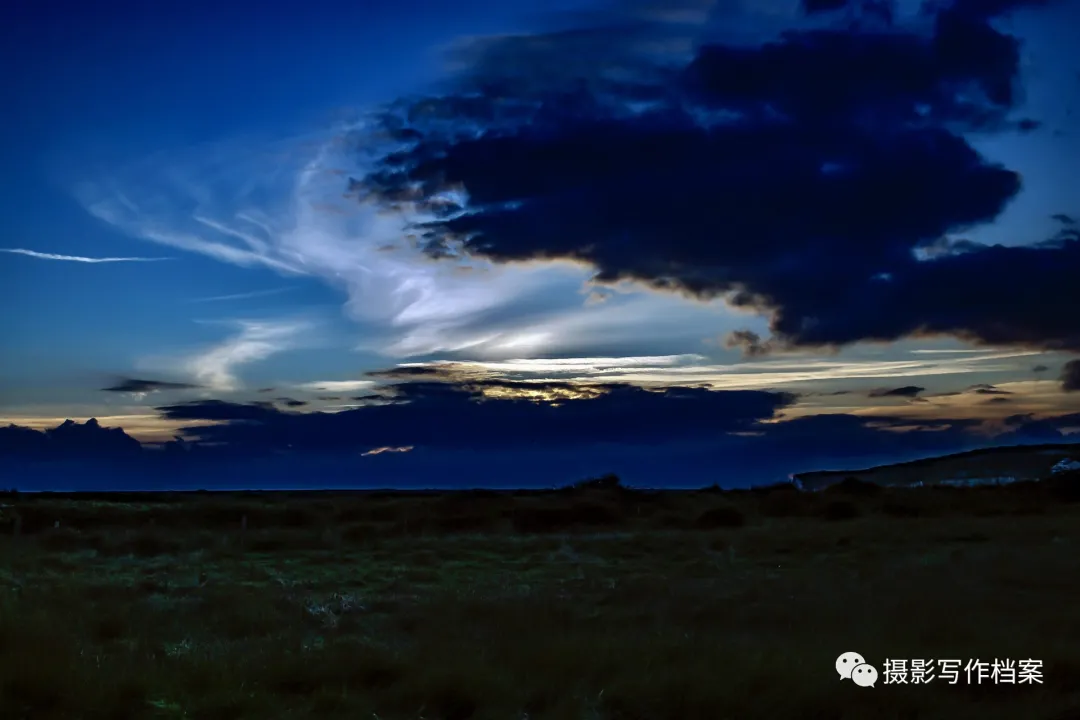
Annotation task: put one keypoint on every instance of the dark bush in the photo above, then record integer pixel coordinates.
(782, 503)
(839, 510)
(780, 487)
(594, 514)
(724, 516)
(146, 543)
(367, 511)
(610, 481)
(856, 487)
(463, 523)
(1065, 486)
(553, 519)
(669, 520)
(152, 544)
(361, 534)
(216, 515)
(296, 517)
(898, 509)
(270, 544)
(62, 540)
(35, 519)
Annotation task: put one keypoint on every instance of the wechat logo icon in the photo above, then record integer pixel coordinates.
(853, 666)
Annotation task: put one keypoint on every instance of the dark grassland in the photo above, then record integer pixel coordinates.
(593, 603)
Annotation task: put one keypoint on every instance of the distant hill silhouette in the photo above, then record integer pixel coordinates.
(1019, 462)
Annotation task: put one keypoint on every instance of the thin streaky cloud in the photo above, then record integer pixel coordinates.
(256, 245)
(682, 369)
(242, 296)
(973, 351)
(78, 258)
(336, 385)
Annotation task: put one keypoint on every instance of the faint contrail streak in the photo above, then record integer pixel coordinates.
(78, 258)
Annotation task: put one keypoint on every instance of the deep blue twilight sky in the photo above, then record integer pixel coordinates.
(491, 231)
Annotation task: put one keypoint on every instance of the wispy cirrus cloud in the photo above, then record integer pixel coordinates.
(78, 258)
(288, 211)
(257, 340)
(215, 368)
(284, 210)
(242, 296)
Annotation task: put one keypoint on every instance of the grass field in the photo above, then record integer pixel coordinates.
(588, 604)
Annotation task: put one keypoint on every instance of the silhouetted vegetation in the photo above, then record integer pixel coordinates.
(840, 510)
(596, 601)
(720, 517)
(855, 486)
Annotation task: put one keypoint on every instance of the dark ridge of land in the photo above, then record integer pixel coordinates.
(1023, 462)
(590, 603)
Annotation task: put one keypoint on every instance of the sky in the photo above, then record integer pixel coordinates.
(698, 239)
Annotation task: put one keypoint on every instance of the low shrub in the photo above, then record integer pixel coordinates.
(856, 487)
(838, 510)
(724, 516)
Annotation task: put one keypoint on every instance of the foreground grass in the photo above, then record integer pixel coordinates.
(589, 605)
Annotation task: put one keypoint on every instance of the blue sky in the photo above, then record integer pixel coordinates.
(199, 154)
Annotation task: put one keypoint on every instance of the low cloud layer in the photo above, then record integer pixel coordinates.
(138, 386)
(501, 433)
(462, 416)
(907, 391)
(497, 414)
(1070, 376)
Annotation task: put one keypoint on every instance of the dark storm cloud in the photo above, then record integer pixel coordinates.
(290, 402)
(989, 8)
(1039, 369)
(986, 389)
(679, 437)
(908, 391)
(797, 178)
(751, 343)
(219, 410)
(816, 6)
(457, 416)
(136, 385)
(406, 372)
(467, 417)
(1028, 428)
(979, 389)
(443, 371)
(1070, 376)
